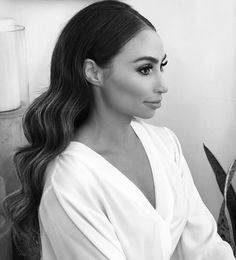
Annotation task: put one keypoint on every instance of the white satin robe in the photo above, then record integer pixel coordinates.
(91, 211)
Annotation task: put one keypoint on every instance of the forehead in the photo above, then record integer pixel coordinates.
(145, 43)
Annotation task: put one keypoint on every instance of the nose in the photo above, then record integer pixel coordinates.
(160, 87)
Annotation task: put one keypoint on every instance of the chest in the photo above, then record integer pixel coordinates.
(136, 167)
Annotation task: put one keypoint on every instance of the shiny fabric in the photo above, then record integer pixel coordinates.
(91, 211)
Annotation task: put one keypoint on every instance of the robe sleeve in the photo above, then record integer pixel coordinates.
(74, 226)
(199, 240)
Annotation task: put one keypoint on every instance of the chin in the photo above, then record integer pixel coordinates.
(146, 115)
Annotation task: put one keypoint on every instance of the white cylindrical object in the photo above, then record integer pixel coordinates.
(7, 24)
(9, 78)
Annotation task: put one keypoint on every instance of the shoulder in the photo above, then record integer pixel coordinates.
(71, 186)
(67, 175)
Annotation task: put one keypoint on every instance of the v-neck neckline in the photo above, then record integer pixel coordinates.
(147, 149)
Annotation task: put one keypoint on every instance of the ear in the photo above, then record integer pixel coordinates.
(93, 73)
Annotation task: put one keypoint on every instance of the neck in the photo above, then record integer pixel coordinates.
(106, 130)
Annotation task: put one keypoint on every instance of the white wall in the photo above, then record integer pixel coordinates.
(200, 41)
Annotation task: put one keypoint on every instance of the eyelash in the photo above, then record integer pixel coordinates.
(163, 64)
(150, 67)
(145, 67)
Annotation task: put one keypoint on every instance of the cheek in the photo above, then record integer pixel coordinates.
(127, 88)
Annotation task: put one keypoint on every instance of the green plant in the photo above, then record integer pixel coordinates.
(226, 223)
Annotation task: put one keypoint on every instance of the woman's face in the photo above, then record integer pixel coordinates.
(133, 83)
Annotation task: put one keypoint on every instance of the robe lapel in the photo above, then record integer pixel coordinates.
(105, 170)
(164, 202)
(115, 177)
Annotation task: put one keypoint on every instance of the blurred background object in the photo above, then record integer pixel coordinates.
(14, 98)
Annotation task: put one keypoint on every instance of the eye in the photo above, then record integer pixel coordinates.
(163, 64)
(146, 69)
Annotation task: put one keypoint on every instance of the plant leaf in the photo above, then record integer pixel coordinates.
(227, 217)
(230, 175)
(230, 199)
(217, 169)
(223, 226)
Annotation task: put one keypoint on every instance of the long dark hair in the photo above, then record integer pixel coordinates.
(98, 32)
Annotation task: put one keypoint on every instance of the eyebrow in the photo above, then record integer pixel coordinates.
(150, 58)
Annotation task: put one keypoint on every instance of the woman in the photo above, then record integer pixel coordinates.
(97, 182)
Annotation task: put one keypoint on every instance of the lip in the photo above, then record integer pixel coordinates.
(153, 104)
